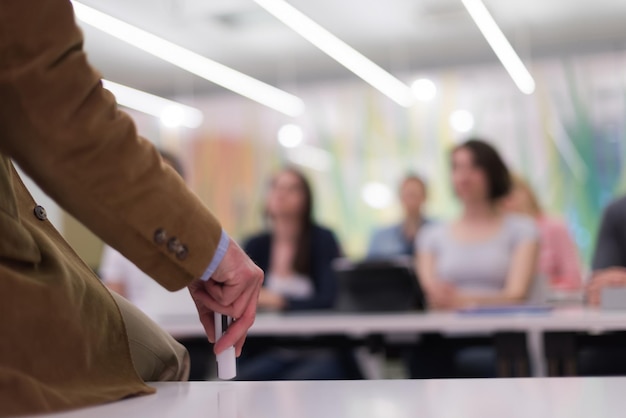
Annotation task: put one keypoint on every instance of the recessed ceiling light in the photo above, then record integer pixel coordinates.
(290, 136)
(424, 89)
(462, 121)
(377, 195)
(172, 116)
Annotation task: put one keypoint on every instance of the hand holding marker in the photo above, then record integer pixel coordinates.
(226, 360)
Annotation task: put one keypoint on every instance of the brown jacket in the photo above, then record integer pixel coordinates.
(62, 339)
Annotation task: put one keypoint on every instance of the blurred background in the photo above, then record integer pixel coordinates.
(369, 104)
(354, 142)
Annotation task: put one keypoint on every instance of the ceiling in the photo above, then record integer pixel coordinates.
(403, 36)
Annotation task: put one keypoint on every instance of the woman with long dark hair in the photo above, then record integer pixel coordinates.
(296, 255)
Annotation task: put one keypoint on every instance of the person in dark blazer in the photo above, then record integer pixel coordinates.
(296, 255)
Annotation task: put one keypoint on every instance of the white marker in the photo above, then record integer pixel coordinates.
(226, 360)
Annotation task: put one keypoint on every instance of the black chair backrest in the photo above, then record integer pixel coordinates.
(388, 285)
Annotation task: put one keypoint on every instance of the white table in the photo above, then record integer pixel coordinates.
(492, 398)
(312, 324)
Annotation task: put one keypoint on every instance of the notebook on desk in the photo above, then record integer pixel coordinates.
(506, 310)
(388, 285)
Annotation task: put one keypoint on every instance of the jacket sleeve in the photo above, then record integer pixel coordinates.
(326, 250)
(66, 132)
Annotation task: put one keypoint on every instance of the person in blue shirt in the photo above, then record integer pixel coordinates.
(399, 239)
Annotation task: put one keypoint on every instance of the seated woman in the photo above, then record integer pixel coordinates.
(296, 256)
(558, 256)
(485, 257)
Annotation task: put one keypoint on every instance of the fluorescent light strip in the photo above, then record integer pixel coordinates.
(341, 52)
(164, 109)
(190, 61)
(500, 45)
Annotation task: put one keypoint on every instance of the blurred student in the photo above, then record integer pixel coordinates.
(609, 259)
(485, 257)
(126, 279)
(603, 355)
(296, 255)
(558, 255)
(399, 239)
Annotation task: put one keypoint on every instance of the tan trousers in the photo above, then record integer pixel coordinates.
(157, 357)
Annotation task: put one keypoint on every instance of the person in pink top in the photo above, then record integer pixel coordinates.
(558, 257)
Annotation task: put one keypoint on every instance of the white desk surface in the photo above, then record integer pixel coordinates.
(495, 398)
(310, 324)
(411, 324)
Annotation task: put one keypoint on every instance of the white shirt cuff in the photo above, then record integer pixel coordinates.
(222, 247)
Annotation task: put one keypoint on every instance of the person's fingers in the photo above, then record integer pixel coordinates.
(249, 296)
(229, 292)
(209, 303)
(240, 302)
(236, 333)
(240, 295)
(618, 279)
(218, 291)
(252, 309)
(206, 297)
(204, 314)
(239, 346)
(244, 285)
(609, 276)
(208, 322)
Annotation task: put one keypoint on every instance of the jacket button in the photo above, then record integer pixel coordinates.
(173, 244)
(182, 252)
(40, 213)
(160, 236)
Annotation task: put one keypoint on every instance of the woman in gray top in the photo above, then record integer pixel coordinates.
(485, 257)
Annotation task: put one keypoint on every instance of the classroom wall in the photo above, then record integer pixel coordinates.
(567, 139)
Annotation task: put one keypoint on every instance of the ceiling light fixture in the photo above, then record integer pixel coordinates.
(190, 61)
(500, 45)
(377, 195)
(290, 135)
(341, 52)
(462, 121)
(172, 114)
(424, 89)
